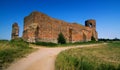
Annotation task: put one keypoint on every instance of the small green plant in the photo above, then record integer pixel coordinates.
(61, 39)
(93, 38)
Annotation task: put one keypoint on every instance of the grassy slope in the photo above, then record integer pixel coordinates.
(12, 50)
(104, 57)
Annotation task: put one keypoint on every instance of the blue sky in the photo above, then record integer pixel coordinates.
(105, 12)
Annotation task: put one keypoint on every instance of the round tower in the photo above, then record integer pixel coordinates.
(90, 23)
(15, 31)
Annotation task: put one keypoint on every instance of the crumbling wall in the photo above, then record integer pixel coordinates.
(92, 24)
(15, 31)
(40, 27)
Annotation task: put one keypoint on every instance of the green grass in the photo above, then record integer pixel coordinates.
(103, 57)
(49, 44)
(79, 43)
(12, 50)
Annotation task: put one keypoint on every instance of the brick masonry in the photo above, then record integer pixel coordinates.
(40, 27)
(15, 31)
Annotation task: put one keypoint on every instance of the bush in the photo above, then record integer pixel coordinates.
(19, 43)
(92, 38)
(46, 44)
(61, 39)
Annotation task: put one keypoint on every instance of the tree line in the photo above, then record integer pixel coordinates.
(103, 39)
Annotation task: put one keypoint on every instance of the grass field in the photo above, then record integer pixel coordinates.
(12, 50)
(103, 57)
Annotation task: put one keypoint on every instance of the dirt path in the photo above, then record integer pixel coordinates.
(42, 59)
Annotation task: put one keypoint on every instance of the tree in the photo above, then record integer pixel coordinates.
(115, 39)
(93, 38)
(61, 39)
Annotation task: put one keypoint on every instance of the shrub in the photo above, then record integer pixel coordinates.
(61, 39)
(46, 44)
(18, 43)
(93, 38)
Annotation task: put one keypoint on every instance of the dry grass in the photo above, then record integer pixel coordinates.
(104, 57)
(12, 50)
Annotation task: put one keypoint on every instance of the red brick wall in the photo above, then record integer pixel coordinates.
(40, 27)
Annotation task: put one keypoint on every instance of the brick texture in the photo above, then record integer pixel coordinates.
(15, 31)
(40, 27)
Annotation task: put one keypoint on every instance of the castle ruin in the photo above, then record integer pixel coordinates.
(39, 27)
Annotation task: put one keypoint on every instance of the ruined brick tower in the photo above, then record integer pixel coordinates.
(92, 24)
(15, 31)
(40, 27)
